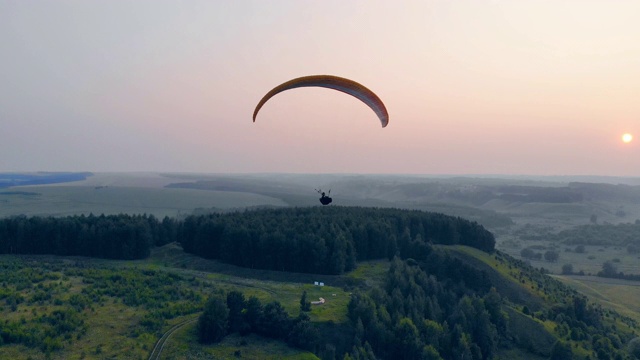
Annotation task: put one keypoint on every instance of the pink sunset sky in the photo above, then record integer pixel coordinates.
(472, 87)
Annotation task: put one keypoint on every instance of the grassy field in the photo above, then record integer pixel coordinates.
(541, 219)
(619, 295)
(108, 325)
(184, 345)
(74, 200)
(371, 273)
(111, 326)
(590, 262)
(266, 285)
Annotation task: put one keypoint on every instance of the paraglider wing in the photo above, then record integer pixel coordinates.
(336, 83)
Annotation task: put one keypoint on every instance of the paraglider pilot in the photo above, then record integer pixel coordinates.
(324, 199)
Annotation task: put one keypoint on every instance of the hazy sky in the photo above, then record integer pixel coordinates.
(472, 87)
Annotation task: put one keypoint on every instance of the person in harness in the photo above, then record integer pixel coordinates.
(324, 199)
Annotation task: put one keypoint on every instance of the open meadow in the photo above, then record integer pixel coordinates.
(125, 194)
(619, 295)
(118, 308)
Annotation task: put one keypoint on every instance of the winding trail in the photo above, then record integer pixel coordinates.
(157, 350)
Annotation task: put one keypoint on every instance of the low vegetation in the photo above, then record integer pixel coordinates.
(76, 308)
(624, 234)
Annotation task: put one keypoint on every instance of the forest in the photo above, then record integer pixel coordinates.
(124, 237)
(312, 240)
(419, 314)
(324, 240)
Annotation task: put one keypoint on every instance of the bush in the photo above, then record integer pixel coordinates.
(212, 324)
(527, 253)
(551, 256)
(567, 269)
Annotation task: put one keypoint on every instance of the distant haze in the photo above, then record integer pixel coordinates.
(472, 87)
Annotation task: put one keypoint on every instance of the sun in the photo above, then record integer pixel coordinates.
(626, 138)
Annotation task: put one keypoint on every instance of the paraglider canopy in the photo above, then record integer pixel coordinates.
(347, 86)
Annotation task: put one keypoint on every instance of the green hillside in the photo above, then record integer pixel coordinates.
(408, 285)
(115, 324)
(543, 322)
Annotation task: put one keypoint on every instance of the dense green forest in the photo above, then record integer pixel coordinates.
(324, 240)
(314, 240)
(236, 314)
(111, 237)
(419, 314)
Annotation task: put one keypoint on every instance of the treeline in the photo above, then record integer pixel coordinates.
(610, 270)
(606, 234)
(544, 194)
(313, 240)
(112, 237)
(236, 314)
(324, 240)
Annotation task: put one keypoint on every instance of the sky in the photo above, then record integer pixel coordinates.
(472, 87)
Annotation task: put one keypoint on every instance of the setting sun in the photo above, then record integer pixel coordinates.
(627, 138)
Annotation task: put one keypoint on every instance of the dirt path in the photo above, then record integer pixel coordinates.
(157, 350)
